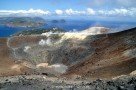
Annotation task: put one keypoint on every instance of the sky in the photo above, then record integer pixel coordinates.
(120, 10)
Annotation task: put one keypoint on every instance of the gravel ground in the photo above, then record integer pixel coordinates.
(38, 82)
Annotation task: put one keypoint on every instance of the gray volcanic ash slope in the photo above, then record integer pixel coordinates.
(114, 54)
(73, 54)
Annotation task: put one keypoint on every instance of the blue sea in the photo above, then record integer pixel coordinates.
(71, 25)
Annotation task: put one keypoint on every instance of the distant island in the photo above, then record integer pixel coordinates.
(59, 21)
(39, 31)
(22, 21)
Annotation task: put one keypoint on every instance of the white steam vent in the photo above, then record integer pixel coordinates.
(60, 68)
(47, 34)
(26, 48)
(48, 41)
(45, 42)
(42, 42)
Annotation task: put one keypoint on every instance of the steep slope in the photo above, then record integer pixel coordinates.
(114, 54)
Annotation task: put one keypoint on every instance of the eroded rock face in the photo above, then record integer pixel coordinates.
(81, 54)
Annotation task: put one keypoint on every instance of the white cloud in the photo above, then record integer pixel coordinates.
(132, 12)
(74, 12)
(118, 12)
(122, 12)
(37, 12)
(59, 12)
(69, 11)
(90, 11)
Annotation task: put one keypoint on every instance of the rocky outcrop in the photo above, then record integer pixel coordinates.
(48, 83)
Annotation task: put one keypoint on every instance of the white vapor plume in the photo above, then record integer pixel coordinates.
(26, 48)
(42, 42)
(60, 68)
(75, 35)
(45, 42)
